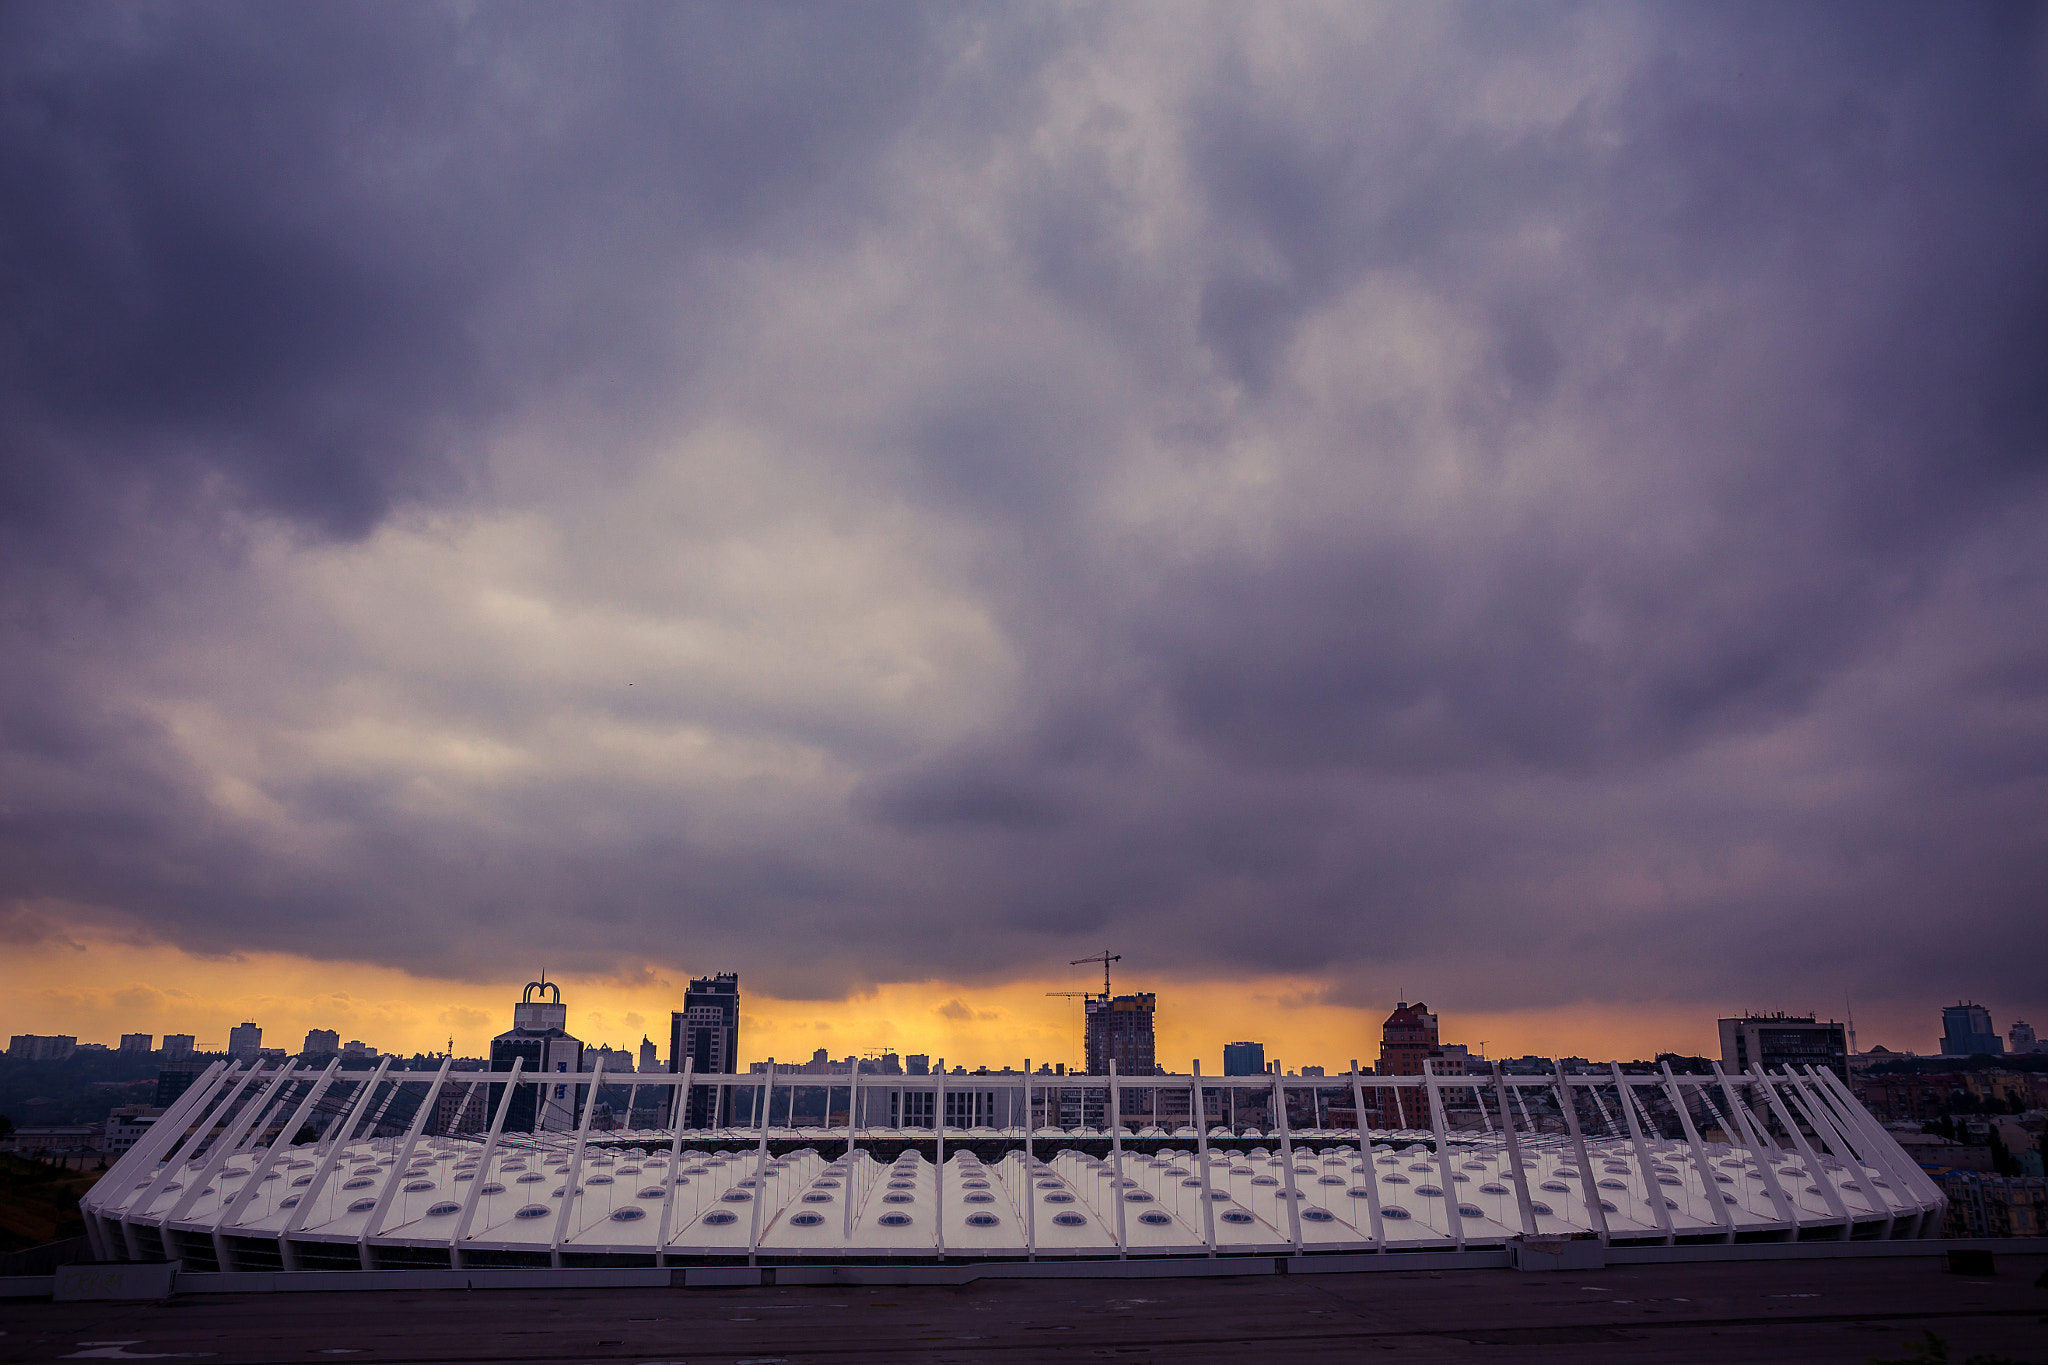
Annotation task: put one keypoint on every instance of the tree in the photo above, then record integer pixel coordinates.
(2002, 1161)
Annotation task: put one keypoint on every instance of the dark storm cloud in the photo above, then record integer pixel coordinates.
(1295, 492)
(315, 253)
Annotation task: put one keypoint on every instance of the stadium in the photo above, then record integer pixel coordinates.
(1500, 1161)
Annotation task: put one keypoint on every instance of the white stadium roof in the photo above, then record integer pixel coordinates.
(1631, 1158)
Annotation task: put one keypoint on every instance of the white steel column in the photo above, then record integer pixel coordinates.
(1653, 1193)
(1507, 1127)
(1699, 1154)
(1872, 1144)
(1831, 1141)
(371, 1132)
(761, 1167)
(232, 1214)
(483, 1171)
(678, 1107)
(852, 1129)
(343, 1124)
(574, 1171)
(1606, 1118)
(1595, 1215)
(223, 1148)
(1900, 1168)
(939, 1162)
(1030, 1176)
(1523, 1104)
(1116, 1150)
(274, 1099)
(1372, 1192)
(261, 1108)
(1786, 1209)
(852, 1113)
(375, 1223)
(168, 1130)
(1452, 1213)
(1287, 1158)
(171, 1132)
(1828, 1194)
(1202, 1156)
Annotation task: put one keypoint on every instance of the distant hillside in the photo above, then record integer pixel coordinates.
(39, 1203)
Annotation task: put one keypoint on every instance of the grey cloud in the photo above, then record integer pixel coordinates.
(1550, 495)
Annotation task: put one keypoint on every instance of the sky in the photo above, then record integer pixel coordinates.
(1538, 510)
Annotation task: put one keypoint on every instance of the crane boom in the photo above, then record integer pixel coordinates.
(1105, 957)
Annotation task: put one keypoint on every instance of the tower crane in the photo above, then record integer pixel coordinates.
(1105, 957)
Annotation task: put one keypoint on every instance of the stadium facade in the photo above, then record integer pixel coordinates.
(1469, 1162)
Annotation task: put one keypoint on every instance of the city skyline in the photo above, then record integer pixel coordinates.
(1007, 1023)
(1537, 512)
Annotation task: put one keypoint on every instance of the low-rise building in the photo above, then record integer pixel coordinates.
(1934, 1151)
(127, 1124)
(1982, 1205)
(57, 1137)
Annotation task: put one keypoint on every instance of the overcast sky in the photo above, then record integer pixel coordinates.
(1518, 505)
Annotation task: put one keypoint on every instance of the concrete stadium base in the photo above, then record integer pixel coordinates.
(1578, 1255)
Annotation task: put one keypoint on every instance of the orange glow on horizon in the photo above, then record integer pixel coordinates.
(98, 989)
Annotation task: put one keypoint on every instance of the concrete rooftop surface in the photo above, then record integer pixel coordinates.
(1808, 1311)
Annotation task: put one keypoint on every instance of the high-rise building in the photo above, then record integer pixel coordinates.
(1966, 1031)
(1244, 1059)
(175, 1076)
(177, 1045)
(650, 1055)
(918, 1064)
(1120, 1029)
(137, 1042)
(540, 1034)
(2020, 1038)
(245, 1040)
(321, 1042)
(706, 1032)
(38, 1047)
(1772, 1041)
(1408, 1039)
